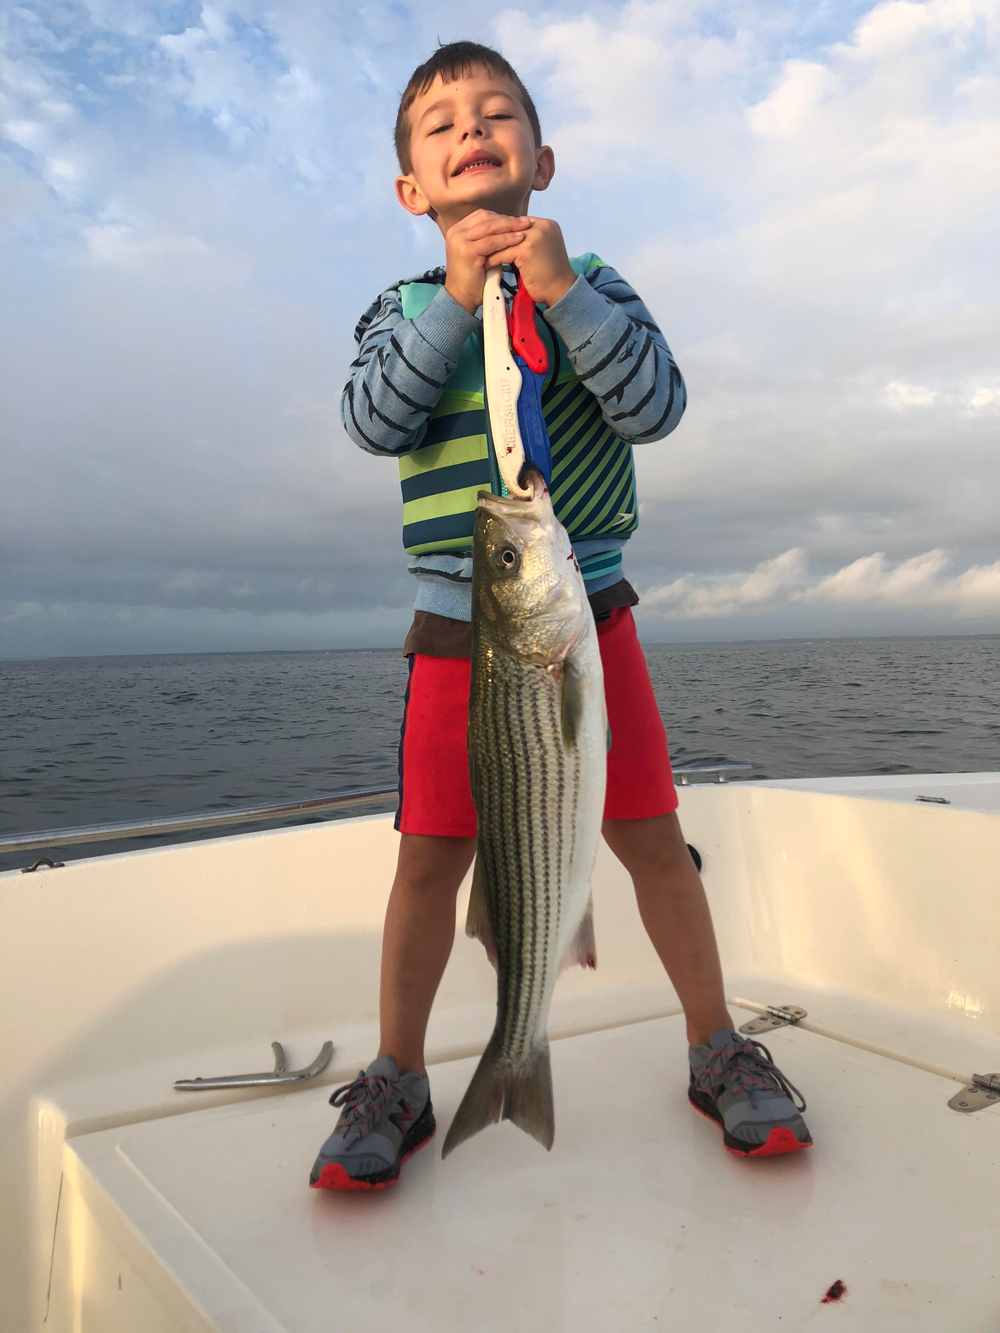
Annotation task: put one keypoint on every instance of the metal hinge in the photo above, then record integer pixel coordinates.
(983, 1091)
(777, 1016)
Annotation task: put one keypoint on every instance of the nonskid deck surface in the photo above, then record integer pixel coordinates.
(637, 1219)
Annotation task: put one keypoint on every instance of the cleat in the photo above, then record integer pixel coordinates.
(385, 1118)
(735, 1083)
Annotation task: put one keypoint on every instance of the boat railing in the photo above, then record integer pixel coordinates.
(191, 822)
(199, 821)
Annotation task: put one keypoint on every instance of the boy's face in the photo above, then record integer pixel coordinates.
(471, 147)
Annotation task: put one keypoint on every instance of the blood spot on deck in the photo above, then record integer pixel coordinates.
(834, 1294)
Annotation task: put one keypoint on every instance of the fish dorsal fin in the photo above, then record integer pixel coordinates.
(571, 704)
(582, 947)
(477, 919)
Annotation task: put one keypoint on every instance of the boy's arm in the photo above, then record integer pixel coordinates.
(620, 355)
(400, 370)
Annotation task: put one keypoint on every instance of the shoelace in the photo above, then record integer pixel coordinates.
(364, 1101)
(749, 1068)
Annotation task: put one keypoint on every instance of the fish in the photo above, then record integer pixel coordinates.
(537, 763)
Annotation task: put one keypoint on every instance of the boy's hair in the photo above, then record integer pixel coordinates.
(453, 61)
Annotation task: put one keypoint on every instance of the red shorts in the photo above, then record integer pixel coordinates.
(434, 793)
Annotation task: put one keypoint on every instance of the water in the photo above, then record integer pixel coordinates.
(96, 740)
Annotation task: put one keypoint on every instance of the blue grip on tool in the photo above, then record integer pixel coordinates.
(534, 435)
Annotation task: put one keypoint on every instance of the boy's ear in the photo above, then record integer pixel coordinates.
(410, 195)
(545, 169)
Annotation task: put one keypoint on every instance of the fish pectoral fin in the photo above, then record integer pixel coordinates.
(582, 947)
(571, 704)
(498, 1091)
(477, 919)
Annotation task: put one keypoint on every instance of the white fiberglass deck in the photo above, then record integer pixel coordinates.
(637, 1219)
(130, 1208)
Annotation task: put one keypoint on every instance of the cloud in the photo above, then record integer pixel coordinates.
(122, 246)
(814, 217)
(871, 582)
(198, 206)
(919, 582)
(899, 395)
(985, 400)
(692, 598)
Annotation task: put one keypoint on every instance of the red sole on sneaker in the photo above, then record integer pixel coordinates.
(780, 1140)
(334, 1177)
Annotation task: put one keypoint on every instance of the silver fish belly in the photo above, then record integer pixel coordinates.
(537, 756)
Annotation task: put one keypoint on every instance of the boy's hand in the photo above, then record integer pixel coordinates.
(542, 262)
(479, 242)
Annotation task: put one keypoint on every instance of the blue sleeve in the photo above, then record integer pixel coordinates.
(619, 353)
(400, 370)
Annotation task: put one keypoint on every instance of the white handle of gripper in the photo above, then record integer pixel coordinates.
(503, 387)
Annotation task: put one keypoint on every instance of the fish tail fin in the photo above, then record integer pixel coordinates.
(499, 1092)
(529, 1102)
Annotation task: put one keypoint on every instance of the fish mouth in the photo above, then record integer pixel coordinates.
(530, 518)
(510, 506)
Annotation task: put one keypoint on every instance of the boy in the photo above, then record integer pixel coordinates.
(470, 153)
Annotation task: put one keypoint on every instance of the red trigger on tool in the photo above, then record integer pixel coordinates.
(524, 336)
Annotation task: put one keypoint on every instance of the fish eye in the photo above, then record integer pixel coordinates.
(507, 557)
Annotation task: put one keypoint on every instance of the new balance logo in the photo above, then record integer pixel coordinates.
(403, 1116)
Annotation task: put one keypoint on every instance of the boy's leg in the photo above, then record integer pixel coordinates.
(417, 939)
(437, 823)
(675, 912)
(732, 1079)
(642, 829)
(386, 1112)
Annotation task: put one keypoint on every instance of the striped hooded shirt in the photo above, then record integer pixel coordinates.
(612, 383)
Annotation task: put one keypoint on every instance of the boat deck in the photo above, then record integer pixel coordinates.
(638, 1218)
(132, 1208)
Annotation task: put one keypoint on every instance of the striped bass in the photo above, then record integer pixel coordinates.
(537, 761)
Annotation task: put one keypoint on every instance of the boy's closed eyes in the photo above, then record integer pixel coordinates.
(443, 127)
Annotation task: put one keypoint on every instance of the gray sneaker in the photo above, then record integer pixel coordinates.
(386, 1117)
(735, 1082)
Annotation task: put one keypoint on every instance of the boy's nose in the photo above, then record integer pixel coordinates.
(473, 128)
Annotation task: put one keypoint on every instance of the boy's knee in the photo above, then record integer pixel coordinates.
(432, 865)
(652, 845)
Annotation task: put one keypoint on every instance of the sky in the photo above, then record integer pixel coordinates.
(198, 205)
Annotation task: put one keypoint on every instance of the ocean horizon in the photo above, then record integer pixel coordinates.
(646, 643)
(107, 739)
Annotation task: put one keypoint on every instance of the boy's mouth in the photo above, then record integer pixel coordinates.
(478, 160)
